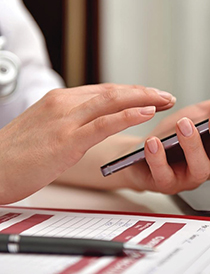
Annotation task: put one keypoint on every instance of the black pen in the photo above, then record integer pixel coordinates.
(15, 243)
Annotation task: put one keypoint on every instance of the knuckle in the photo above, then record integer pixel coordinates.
(166, 185)
(128, 114)
(200, 177)
(100, 123)
(134, 86)
(111, 95)
(151, 94)
(107, 86)
(138, 87)
(169, 188)
(53, 99)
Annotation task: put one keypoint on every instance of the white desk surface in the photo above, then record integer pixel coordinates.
(58, 196)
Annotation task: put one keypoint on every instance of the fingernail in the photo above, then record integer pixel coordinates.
(148, 110)
(185, 127)
(173, 100)
(152, 145)
(164, 94)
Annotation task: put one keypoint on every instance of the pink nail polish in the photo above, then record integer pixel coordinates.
(185, 127)
(150, 110)
(152, 145)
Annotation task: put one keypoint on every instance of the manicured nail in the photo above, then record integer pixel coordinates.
(173, 100)
(148, 110)
(152, 145)
(164, 94)
(185, 127)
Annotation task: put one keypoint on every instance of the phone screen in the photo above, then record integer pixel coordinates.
(174, 152)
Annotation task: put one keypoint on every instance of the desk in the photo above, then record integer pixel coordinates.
(188, 245)
(59, 196)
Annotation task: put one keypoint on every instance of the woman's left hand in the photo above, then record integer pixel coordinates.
(156, 174)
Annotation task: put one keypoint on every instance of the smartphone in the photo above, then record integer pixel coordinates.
(174, 152)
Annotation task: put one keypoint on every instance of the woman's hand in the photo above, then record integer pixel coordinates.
(55, 133)
(195, 113)
(156, 174)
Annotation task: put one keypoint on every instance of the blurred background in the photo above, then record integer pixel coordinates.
(156, 43)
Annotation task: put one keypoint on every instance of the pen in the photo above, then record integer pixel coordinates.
(15, 243)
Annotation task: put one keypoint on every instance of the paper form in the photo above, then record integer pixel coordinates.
(183, 244)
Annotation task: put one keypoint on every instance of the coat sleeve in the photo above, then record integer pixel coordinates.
(36, 77)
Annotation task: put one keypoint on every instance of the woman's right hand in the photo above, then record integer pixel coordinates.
(155, 174)
(55, 133)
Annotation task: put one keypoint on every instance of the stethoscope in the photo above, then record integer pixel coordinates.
(9, 71)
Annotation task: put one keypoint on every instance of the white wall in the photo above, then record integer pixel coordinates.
(159, 43)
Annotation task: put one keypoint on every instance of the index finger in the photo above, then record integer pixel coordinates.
(90, 91)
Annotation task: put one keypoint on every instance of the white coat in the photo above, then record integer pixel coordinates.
(25, 39)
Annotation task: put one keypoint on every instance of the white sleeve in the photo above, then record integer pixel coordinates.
(25, 39)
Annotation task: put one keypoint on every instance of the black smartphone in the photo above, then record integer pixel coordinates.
(174, 152)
